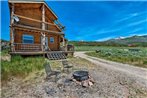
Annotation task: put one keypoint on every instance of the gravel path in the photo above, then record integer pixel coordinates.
(122, 68)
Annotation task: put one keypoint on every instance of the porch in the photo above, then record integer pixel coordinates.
(38, 49)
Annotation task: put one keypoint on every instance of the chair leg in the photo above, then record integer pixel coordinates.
(56, 77)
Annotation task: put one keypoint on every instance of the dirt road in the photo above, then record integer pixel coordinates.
(130, 70)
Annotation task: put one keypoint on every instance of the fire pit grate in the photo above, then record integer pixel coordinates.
(81, 75)
(83, 78)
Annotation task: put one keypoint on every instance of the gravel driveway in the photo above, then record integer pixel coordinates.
(123, 79)
(122, 68)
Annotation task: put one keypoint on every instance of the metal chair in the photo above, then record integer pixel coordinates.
(50, 72)
(66, 65)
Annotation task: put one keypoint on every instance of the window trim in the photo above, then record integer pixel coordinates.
(29, 36)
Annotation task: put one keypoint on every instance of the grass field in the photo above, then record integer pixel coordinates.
(93, 48)
(136, 56)
(20, 67)
(87, 48)
(4, 52)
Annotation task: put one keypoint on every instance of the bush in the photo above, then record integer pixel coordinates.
(137, 58)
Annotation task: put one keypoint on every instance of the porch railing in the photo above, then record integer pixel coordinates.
(27, 47)
(67, 48)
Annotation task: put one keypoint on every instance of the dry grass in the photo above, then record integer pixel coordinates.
(82, 64)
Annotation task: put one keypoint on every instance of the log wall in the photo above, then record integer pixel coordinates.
(37, 38)
(34, 11)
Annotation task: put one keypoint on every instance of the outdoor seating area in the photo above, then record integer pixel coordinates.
(65, 68)
(79, 76)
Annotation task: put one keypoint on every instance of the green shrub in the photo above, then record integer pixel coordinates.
(145, 62)
(137, 58)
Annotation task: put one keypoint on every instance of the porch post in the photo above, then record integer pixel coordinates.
(43, 17)
(64, 44)
(63, 41)
(43, 26)
(12, 29)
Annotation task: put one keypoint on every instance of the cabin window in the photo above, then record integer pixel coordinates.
(51, 39)
(28, 39)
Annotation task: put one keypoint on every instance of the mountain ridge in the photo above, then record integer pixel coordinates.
(121, 41)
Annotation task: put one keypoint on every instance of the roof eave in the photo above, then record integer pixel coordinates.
(19, 1)
(43, 2)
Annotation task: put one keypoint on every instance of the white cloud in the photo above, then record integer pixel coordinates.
(131, 16)
(137, 22)
(93, 31)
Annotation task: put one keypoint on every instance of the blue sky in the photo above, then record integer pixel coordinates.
(93, 20)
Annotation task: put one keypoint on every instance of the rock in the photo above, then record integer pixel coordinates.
(90, 83)
(80, 83)
(85, 83)
(6, 58)
(74, 80)
(92, 80)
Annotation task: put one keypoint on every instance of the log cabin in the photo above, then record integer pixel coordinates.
(35, 29)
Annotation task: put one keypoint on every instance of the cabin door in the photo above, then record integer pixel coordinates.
(46, 44)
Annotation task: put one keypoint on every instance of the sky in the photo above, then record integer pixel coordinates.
(93, 20)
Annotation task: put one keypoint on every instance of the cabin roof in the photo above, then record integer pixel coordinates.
(32, 1)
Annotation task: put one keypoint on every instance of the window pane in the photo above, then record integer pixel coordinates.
(51, 39)
(28, 39)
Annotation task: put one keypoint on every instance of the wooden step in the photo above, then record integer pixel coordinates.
(56, 55)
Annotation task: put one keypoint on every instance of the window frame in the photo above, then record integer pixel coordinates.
(23, 37)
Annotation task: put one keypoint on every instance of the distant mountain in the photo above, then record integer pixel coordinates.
(133, 40)
(121, 41)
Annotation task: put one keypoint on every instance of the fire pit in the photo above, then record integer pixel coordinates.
(83, 78)
(81, 75)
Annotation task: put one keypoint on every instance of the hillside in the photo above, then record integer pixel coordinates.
(129, 41)
(134, 41)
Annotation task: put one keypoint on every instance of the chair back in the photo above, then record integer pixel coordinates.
(64, 62)
(47, 67)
